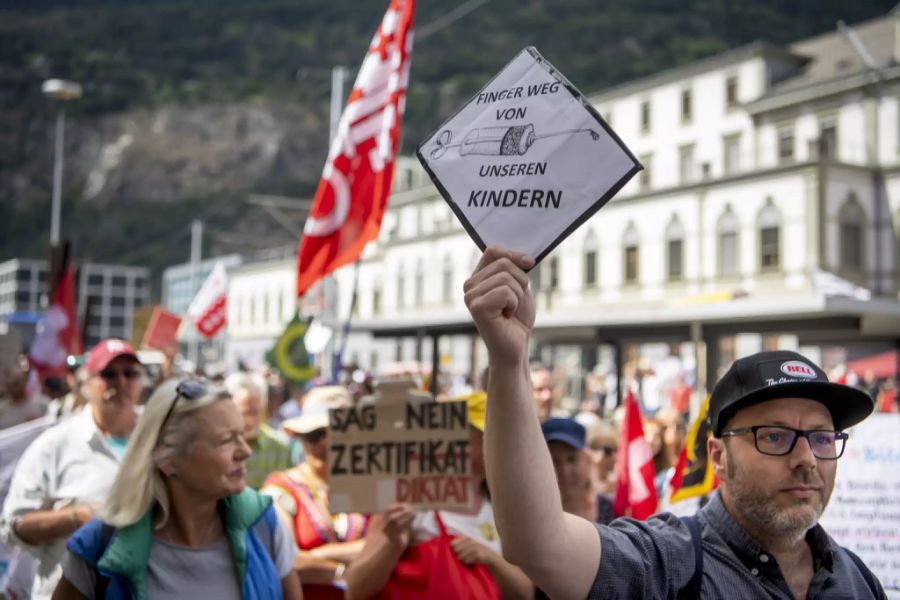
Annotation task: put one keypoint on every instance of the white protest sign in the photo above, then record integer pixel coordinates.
(864, 512)
(527, 160)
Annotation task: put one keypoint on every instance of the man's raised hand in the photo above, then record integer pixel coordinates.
(500, 301)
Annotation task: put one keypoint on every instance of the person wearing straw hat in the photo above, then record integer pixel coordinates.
(327, 542)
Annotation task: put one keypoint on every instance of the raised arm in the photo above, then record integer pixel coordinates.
(558, 551)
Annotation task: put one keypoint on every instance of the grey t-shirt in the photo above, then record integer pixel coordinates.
(176, 572)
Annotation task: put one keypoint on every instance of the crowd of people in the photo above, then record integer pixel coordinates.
(155, 486)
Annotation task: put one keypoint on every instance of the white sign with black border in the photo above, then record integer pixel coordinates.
(527, 160)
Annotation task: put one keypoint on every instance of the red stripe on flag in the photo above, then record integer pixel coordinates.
(352, 195)
(635, 487)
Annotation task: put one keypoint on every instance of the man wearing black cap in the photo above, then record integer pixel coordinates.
(778, 432)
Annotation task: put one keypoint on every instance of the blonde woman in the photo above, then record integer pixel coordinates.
(178, 519)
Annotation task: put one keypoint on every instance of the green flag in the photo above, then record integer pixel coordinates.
(289, 355)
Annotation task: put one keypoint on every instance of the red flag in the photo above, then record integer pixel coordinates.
(635, 488)
(207, 309)
(352, 195)
(58, 335)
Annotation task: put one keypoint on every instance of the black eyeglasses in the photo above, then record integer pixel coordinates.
(779, 441)
(112, 374)
(189, 389)
(315, 435)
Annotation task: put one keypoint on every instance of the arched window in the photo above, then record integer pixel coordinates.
(447, 280)
(419, 283)
(728, 230)
(631, 254)
(769, 237)
(589, 255)
(675, 250)
(851, 220)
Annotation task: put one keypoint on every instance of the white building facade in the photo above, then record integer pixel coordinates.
(769, 204)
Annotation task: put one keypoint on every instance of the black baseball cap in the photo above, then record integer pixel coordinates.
(784, 374)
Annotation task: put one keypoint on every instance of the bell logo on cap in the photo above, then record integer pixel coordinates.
(795, 368)
(115, 346)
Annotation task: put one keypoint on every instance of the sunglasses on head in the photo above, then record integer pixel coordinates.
(315, 435)
(113, 374)
(189, 389)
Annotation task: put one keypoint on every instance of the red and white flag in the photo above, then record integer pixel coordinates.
(57, 333)
(635, 489)
(207, 309)
(353, 192)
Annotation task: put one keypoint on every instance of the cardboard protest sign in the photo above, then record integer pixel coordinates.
(399, 451)
(527, 160)
(864, 512)
(162, 332)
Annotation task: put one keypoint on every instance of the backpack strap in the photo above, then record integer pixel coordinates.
(873, 584)
(692, 590)
(100, 581)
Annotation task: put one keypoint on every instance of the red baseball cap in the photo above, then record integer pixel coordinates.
(107, 351)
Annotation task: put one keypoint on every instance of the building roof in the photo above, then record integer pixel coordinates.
(826, 57)
(717, 61)
(835, 63)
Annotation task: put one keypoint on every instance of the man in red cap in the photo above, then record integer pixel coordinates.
(67, 471)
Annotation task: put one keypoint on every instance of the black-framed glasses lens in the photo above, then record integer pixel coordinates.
(778, 441)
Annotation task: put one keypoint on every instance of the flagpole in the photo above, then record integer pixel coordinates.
(345, 330)
(196, 240)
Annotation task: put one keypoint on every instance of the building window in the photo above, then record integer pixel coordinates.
(785, 145)
(447, 292)
(851, 219)
(589, 255)
(644, 177)
(420, 284)
(675, 250)
(686, 164)
(631, 251)
(687, 109)
(728, 243)
(645, 116)
(827, 143)
(731, 151)
(376, 299)
(401, 287)
(731, 92)
(552, 274)
(769, 237)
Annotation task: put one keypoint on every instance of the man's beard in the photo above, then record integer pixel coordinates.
(761, 511)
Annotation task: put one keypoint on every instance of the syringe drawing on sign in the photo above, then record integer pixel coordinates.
(498, 141)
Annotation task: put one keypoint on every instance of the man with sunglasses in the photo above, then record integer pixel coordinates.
(778, 432)
(67, 471)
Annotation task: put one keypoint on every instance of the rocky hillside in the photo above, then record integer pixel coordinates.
(191, 105)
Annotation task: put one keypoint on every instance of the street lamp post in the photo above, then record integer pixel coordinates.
(62, 91)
